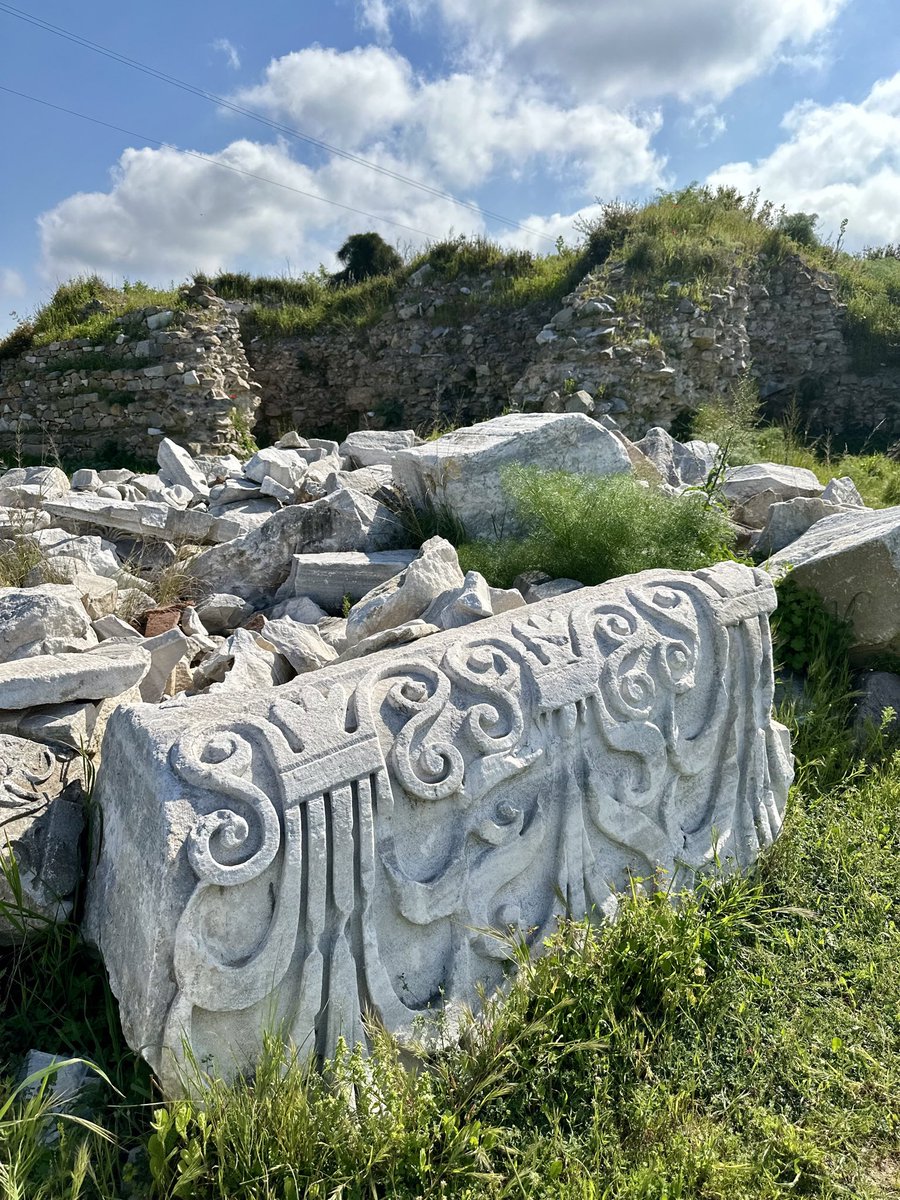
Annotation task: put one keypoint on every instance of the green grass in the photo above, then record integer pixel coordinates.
(743, 1044)
(592, 528)
(64, 316)
(735, 423)
(696, 236)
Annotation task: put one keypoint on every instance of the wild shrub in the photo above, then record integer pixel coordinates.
(20, 340)
(365, 255)
(593, 528)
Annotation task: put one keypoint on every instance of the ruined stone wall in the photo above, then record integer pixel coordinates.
(182, 375)
(442, 354)
(796, 329)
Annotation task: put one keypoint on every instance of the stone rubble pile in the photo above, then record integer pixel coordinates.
(271, 585)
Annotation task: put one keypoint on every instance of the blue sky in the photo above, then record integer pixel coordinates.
(530, 108)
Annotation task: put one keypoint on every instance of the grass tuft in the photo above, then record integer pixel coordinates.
(593, 528)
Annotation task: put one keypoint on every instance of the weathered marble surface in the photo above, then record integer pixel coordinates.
(340, 846)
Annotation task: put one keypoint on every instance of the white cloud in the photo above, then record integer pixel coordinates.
(167, 213)
(224, 46)
(839, 160)
(12, 284)
(620, 49)
(460, 129)
(376, 15)
(332, 94)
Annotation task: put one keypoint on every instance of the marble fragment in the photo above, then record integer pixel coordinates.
(343, 845)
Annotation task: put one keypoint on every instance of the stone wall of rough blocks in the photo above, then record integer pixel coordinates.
(442, 355)
(423, 365)
(182, 375)
(645, 364)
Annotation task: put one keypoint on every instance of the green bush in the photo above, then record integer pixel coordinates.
(593, 528)
(18, 341)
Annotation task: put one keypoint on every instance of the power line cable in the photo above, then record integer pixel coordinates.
(216, 162)
(289, 130)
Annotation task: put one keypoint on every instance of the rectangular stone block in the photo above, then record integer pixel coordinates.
(340, 846)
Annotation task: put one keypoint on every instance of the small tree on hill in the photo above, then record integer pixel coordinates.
(801, 227)
(364, 255)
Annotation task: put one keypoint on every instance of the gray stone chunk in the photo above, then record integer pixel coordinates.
(431, 580)
(853, 562)
(254, 566)
(108, 670)
(679, 464)
(222, 611)
(376, 447)
(243, 663)
(328, 578)
(789, 520)
(301, 645)
(843, 491)
(49, 620)
(743, 483)
(177, 468)
(462, 470)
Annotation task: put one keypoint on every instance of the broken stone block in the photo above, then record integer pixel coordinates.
(463, 470)
(99, 594)
(788, 520)
(743, 483)
(852, 561)
(177, 468)
(431, 579)
(46, 620)
(243, 663)
(377, 447)
(328, 578)
(843, 491)
(221, 612)
(681, 464)
(43, 816)
(301, 645)
(107, 670)
(344, 845)
(254, 566)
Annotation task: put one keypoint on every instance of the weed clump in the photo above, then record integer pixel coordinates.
(593, 528)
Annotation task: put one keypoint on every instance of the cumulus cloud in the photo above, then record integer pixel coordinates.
(461, 128)
(167, 212)
(224, 46)
(350, 94)
(625, 50)
(839, 160)
(12, 284)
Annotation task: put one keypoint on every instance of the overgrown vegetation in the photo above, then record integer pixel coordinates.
(734, 422)
(696, 236)
(691, 239)
(85, 307)
(593, 528)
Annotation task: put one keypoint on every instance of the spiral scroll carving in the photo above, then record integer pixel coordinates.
(219, 761)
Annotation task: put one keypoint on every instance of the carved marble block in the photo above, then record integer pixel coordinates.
(340, 848)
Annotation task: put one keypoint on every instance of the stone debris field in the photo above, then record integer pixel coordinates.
(329, 775)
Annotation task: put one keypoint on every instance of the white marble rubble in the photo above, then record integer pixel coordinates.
(852, 561)
(344, 845)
